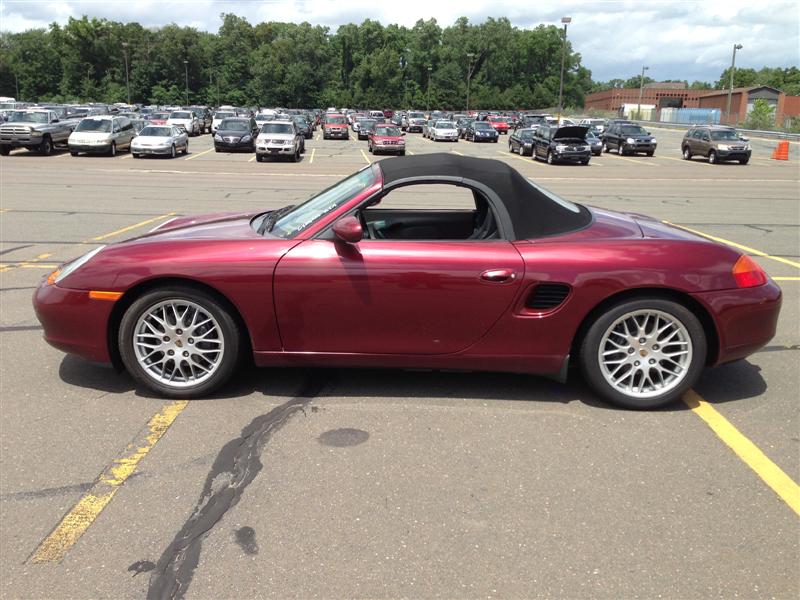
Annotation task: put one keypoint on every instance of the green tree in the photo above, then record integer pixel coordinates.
(762, 116)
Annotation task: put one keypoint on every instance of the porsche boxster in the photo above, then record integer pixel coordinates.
(520, 280)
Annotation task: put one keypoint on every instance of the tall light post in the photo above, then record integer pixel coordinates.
(733, 68)
(641, 91)
(428, 100)
(566, 21)
(16, 83)
(186, 74)
(470, 69)
(127, 77)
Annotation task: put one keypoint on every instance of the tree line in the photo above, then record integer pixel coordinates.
(286, 64)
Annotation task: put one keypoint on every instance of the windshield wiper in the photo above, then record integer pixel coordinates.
(269, 221)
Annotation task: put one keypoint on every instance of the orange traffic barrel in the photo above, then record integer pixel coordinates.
(781, 151)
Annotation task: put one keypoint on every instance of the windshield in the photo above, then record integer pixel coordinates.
(481, 125)
(277, 128)
(526, 135)
(181, 115)
(234, 125)
(416, 115)
(388, 131)
(335, 120)
(445, 125)
(312, 210)
(367, 123)
(725, 134)
(28, 118)
(632, 130)
(156, 131)
(222, 115)
(161, 116)
(96, 125)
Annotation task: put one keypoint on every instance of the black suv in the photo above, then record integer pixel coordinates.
(628, 138)
(557, 144)
(715, 143)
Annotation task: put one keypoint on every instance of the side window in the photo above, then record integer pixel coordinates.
(115, 126)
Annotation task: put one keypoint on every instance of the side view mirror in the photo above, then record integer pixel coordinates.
(349, 230)
(403, 133)
(744, 139)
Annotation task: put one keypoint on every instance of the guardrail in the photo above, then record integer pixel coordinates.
(775, 135)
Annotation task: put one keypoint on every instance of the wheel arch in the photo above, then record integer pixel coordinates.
(135, 292)
(682, 298)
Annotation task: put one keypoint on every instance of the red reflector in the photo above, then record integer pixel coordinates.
(747, 273)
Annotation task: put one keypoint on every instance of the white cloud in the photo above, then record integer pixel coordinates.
(678, 39)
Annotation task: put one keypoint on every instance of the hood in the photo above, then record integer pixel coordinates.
(78, 136)
(394, 138)
(275, 136)
(227, 225)
(152, 139)
(571, 131)
(233, 132)
(336, 125)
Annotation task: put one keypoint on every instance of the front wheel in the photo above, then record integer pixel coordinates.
(644, 353)
(172, 152)
(46, 147)
(744, 161)
(620, 149)
(604, 148)
(112, 151)
(179, 342)
(5, 150)
(687, 154)
(550, 159)
(712, 157)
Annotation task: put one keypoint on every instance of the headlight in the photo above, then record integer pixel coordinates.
(652, 140)
(245, 138)
(722, 146)
(560, 148)
(587, 147)
(631, 141)
(69, 268)
(747, 146)
(218, 137)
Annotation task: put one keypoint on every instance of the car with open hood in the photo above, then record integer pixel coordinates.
(386, 139)
(562, 144)
(279, 139)
(513, 278)
(160, 140)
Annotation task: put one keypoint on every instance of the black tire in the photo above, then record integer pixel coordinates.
(134, 155)
(5, 150)
(231, 336)
(297, 155)
(172, 152)
(620, 149)
(186, 147)
(712, 157)
(259, 158)
(74, 153)
(550, 159)
(585, 162)
(589, 349)
(604, 148)
(46, 147)
(744, 161)
(403, 153)
(687, 154)
(112, 149)
(651, 153)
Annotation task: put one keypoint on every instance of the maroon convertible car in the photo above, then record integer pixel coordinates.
(519, 280)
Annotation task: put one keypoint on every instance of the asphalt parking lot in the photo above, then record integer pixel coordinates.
(357, 483)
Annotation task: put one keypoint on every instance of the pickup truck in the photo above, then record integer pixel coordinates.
(39, 130)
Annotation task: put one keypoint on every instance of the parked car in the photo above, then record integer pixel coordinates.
(279, 139)
(481, 131)
(335, 126)
(462, 125)
(499, 123)
(186, 119)
(102, 134)
(303, 126)
(521, 142)
(378, 116)
(204, 119)
(365, 126)
(236, 133)
(39, 130)
(386, 139)
(445, 131)
(220, 116)
(595, 125)
(162, 140)
(628, 138)
(716, 143)
(415, 122)
(561, 144)
(342, 280)
(595, 143)
(159, 118)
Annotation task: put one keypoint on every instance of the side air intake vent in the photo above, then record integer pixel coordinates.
(547, 296)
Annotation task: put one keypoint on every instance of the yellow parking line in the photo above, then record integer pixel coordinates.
(739, 246)
(510, 155)
(63, 155)
(364, 154)
(193, 156)
(673, 158)
(253, 158)
(313, 152)
(410, 152)
(638, 162)
(456, 152)
(783, 485)
(128, 155)
(786, 278)
(129, 227)
(75, 523)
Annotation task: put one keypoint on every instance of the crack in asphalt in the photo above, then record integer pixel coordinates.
(236, 466)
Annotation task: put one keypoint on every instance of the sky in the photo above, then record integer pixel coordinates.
(683, 39)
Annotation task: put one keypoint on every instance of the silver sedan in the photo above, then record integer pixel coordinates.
(164, 140)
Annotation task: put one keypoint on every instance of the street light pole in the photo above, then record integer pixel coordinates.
(16, 82)
(127, 77)
(428, 100)
(641, 91)
(566, 21)
(470, 56)
(186, 73)
(733, 68)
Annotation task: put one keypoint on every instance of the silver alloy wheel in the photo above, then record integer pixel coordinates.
(645, 353)
(178, 343)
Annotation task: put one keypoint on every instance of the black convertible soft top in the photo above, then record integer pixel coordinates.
(533, 211)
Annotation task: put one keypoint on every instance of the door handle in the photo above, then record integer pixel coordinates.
(498, 275)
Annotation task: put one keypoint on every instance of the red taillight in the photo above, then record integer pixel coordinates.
(747, 273)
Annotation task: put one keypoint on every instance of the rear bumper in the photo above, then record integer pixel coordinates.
(73, 322)
(746, 319)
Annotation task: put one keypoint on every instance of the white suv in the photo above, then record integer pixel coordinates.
(279, 138)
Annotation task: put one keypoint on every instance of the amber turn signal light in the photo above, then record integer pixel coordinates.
(51, 279)
(747, 273)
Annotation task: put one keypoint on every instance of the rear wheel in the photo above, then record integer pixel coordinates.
(643, 353)
(179, 342)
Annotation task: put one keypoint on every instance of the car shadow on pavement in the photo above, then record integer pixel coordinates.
(728, 383)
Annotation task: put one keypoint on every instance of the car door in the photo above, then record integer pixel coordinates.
(393, 296)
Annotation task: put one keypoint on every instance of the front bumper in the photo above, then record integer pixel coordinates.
(31, 141)
(746, 319)
(733, 154)
(637, 147)
(90, 148)
(486, 138)
(336, 133)
(159, 150)
(233, 145)
(389, 148)
(449, 137)
(572, 155)
(73, 322)
(271, 150)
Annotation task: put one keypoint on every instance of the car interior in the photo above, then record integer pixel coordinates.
(430, 212)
